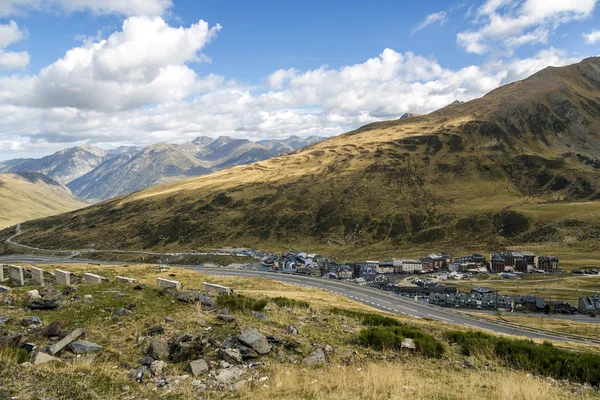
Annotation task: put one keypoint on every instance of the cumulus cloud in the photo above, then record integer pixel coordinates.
(144, 63)
(592, 37)
(513, 23)
(9, 34)
(440, 17)
(121, 7)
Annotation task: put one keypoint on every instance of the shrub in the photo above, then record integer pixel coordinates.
(285, 302)
(469, 342)
(391, 337)
(379, 320)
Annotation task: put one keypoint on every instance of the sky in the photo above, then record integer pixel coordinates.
(136, 72)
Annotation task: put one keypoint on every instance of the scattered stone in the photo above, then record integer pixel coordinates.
(119, 312)
(28, 347)
(317, 357)
(28, 321)
(328, 349)
(43, 305)
(84, 347)
(408, 343)
(3, 320)
(56, 347)
(147, 361)
(197, 384)
(198, 367)
(139, 374)
(139, 286)
(183, 297)
(228, 342)
(229, 375)
(158, 350)
(34, 295)
(68, 290)
(88, 298)
(43, 358)
(169, 320)
(260, 315)
(247, 352)
(292, 329)
(186, 351)
(467, 363)
(255, 340)
(10, 341)
(4, 289)
(157, 367)
(226, 318)
(155, 331)
(206, 301)
(232, 356)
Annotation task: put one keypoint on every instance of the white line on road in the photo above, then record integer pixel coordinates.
(442, 318)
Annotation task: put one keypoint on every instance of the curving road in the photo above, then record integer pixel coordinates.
(366, 295)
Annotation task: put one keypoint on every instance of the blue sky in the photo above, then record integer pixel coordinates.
(173, 70)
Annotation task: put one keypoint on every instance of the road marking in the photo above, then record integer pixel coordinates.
(408, 308)
(442, 318)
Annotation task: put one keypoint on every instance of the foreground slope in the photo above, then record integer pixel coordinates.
(25, 196)
(490, 172)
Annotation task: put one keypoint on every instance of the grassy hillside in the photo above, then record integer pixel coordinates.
(517, 167)
(355, 367)
(25, 196)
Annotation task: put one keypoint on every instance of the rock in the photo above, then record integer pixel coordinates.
(226, 318)
(139, 286)
(260, 315)
(34, 295)
(328, 349)
(232, 356)
(4, 289)
(56, 347)
(228, 342)
(317, 357)
(43, 358)
(198, 367)
(84, 347)
(147, 361)
(158, 350)
(157, 367)
(186, 351)
(467, 363)
(139, 374)
(292, 329)
(28, 321)
(28, 347)
(119, 312)
(68, 290)
(88, 298)
(240, 385)
(206, 301)
(408, 343)
(229, 375)
(3, 320)
(43, 305)
(273, 340)
(247, 352)
(155, 331)
(197, 384)
(10, 341)
(53, 330)
(169, 320)
(255, 340)
(183, 297)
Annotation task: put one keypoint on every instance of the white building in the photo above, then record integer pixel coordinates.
(407, 266)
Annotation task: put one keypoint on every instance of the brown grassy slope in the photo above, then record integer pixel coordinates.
(27, 196)
(456, 179)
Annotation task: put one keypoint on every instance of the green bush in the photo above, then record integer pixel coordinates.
(241, 303)
(379, 320)
(391, 337)
(291, 303)
(469, 342)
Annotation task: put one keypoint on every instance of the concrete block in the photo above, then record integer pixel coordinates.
(62, 277)
(37, 276)
(16, 275)
(92, 278)
(217, 289)
(3, 277)
(4, 289)
(58, 346)
(165, 283)
(122, 279)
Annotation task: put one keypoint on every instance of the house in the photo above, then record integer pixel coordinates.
(458, 300)
(385, 267)
(546, 263)
(440, 260)
(407, 266)
(480, 290)
(428, 264)
(474, 260)
(438, 299)
(371, 267)
(589, 305)
(529, 303)
(562, 307)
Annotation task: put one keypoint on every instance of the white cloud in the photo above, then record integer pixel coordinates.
(121, 7)
(592, 37)
(9, 34)
(142, 64)
(513, 23)
(440, 17)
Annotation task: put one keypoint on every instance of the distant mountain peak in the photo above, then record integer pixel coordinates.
(409, 115)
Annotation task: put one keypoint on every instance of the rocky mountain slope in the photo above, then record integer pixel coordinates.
(96, 174)
(506, 168)
(25, 196)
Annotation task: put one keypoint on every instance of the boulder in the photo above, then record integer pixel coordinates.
(227, 318)
(155, 331)
(317, 357)
(158, 350)
(292, 329)
(34, 295)
(255, 340)
(229, 375)
(10, 341)
(228, 342)
(53, 330)
(147, 361)
(43, 305)
(328, 349)
(3, 320)
(88, 298)
(206, 301)
(119, 312)
(186, 351)
(71, 337)
(28, 321)
(260, 315)
(84, 347)
(198, 367)
(43, 358)
(232, 356)
(247, 352)
(157, 367)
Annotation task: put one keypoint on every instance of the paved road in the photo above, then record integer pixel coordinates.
(366, 295)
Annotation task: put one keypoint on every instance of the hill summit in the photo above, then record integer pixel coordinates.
(458, 177)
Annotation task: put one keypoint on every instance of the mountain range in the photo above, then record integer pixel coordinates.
(517, 166)
(28, 195)
(95, 174)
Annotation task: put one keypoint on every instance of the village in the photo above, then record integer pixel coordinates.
(425, 279)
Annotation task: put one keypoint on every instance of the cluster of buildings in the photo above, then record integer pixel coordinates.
(522, 261)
